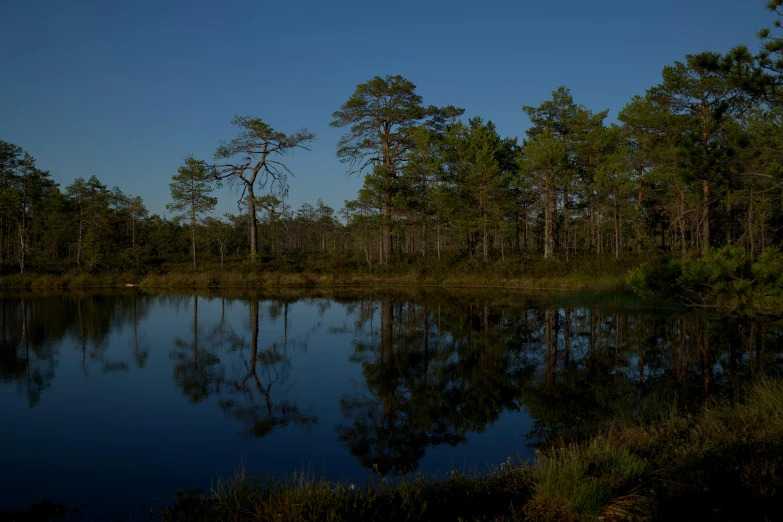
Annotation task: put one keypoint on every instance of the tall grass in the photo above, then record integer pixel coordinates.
(243, 497)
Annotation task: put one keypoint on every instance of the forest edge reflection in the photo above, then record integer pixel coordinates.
(435, 368)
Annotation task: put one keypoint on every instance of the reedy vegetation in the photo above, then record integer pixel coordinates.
(694, 163)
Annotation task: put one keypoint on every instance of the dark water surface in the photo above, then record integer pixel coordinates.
(121, 400)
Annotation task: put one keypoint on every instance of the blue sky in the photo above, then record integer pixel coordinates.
(124, 90)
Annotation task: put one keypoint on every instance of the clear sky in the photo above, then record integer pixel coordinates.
(125, 89)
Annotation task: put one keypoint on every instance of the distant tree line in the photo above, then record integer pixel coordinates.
(694, 163)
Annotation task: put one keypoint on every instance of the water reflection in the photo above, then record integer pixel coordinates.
(597, 366)
(423, 370)
(33, 328)
(197, 369)
(251, 383)
(257, 393)
(431, 376)
(24, 356)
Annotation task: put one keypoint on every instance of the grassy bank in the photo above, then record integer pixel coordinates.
(725, 463)
(592, 273)
(212, 279)
(299, 280)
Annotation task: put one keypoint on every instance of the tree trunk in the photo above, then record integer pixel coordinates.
(386, 240)
(193, 231)
(133, 243)
(438, 232)
(548, 239)
(486, 234)
(598, 237)
(79, 244)
(252, 222)
(641, 188)
(423, 235)
(681, 219)
(21, 247)
(616, 228)
(705, 224)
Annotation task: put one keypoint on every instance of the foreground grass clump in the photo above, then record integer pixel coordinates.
(243, 497)
(583, 482)
(725, 463)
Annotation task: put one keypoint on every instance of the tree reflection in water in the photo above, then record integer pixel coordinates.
(251, 389)
(33, 328)
(428, 381)
(434, 367)
(197, 369)
(597, 366)
(436, 371)
(258, 397)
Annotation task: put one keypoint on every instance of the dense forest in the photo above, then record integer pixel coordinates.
(692, 164)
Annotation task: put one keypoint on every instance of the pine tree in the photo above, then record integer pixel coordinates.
(382, 116)
(255, 152)
(190, 191)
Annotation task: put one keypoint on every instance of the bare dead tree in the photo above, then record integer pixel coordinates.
(251, 164)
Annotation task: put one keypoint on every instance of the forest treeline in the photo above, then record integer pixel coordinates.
(694, 163)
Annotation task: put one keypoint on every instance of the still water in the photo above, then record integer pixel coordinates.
(120, 400)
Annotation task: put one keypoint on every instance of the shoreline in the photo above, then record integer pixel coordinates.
(275, 280)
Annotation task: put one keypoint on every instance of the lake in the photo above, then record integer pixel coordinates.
(119, 400)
